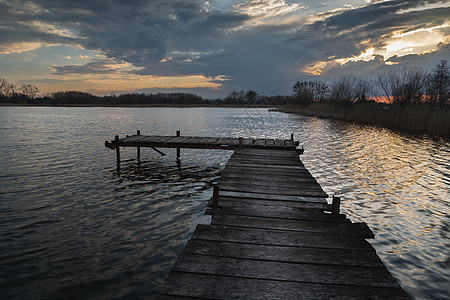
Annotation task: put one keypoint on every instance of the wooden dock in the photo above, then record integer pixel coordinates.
(273, 235)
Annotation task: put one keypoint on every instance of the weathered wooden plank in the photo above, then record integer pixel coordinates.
(265, 166)
(132, 138)
(263, 184)
(358, 229)
(279, 237)
(264, 203)
(277, 212)
(267, 179)
(279, 143)
(225, 193)
(229, 287)
(223, 141)
(259, 142)
(248, 141)
(285, 254)
(156, 139)
(289, 155)
(239, 170)
(266, 161)
(270, 143)
(289, 143)
(266, 152)
(284, 271)
(179, 139)
(299, 191)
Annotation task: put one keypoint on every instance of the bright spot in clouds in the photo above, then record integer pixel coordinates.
(212, 47)
(419, 41)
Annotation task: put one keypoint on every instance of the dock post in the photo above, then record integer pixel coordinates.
(336, 203)
(178, 149)
(215, 199)
(292, 136)
(116, 138)
(138, 148)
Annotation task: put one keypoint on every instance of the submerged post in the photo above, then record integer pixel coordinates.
(116, 139)
(215, 198)
(178, 149)
(138, 148)
(336, 203)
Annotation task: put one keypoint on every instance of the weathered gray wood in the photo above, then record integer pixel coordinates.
(266, 166)
(266, 151)
(267, 161)
(229, 287)
(279, 143)
(249, 195)
(279, 237)
(308, 191)
(248, 141)
(270, 143)
(239, 170)
(267, 178)
(222, 141)
(260, 142)
(132, 138)
(289, 143)
(277, 212)
(267, 185)
(320, 256)
(264, 203)
(357, 229)
(258, 269)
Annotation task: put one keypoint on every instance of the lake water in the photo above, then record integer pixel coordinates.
(70, 227)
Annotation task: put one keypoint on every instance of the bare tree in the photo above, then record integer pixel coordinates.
(362, 88)
(308, 91)
(404, 85)
(341, 90)
(439, 83)
(29, 90)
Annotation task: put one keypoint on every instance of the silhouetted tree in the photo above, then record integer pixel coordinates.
(404, 85)
(250, 96)
(29, 91)
(439, 83)
(306, 92)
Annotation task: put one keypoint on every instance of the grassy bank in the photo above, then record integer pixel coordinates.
(415, 119)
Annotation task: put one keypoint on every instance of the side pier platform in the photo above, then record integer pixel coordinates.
(273, 235)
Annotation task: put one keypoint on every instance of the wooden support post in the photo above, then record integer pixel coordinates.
(292, 136)
(178, 149)
(116, 138)
(138, 148)
(241, 140)
(335, 206)
(215, 199)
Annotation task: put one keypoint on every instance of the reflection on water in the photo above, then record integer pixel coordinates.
(399, 185)
(70, 226)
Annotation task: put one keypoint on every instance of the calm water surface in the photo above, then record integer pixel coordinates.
(71, 227)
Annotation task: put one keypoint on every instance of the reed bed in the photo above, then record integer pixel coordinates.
(416, 119)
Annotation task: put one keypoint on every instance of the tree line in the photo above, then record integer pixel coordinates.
(405, 85)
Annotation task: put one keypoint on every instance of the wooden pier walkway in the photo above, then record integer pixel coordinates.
(272, 235)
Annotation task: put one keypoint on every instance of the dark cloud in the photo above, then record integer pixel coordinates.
(95, 66)
(183, 37)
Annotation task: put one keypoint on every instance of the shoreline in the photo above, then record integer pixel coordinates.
(135, 105)
(417, 120)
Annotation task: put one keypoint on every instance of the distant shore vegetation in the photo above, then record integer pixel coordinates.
(28, 95)
(405, 98)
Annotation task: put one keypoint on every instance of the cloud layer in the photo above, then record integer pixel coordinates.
(264, 45)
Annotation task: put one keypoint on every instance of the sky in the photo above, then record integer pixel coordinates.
(211, 48)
